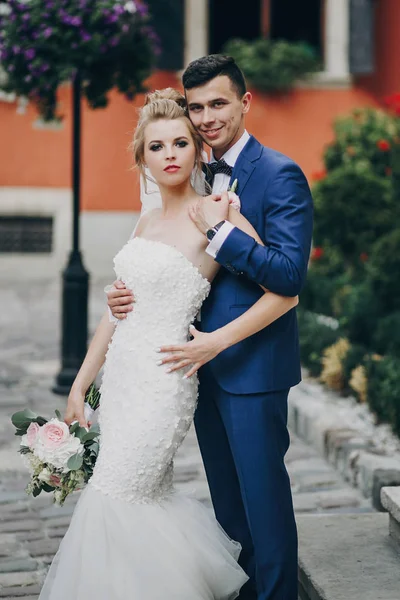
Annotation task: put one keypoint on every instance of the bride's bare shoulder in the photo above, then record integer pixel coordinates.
(145, 219)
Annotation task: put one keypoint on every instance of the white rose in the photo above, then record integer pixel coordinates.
(45, 475)
(58, 457)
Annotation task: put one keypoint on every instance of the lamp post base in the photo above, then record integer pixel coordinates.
(74, 322)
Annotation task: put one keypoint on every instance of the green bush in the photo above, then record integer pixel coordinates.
(359, 314)
(354, 357)
(368, 139)
(384, 389)
(384, 269)
(273, 66)
(352, 209)
(314, 337)
(386, 339)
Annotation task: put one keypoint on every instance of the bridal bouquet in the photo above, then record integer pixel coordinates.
(59, 457)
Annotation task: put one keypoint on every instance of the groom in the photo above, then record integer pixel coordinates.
(242, 410)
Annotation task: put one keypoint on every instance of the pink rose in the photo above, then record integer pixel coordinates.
(31, 434)
(54, 480)
(54, 434)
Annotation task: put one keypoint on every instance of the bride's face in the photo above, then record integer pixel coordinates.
(169, 151)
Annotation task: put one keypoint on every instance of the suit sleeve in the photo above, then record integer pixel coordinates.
(280, 265)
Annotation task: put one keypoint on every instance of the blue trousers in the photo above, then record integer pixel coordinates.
(243, 440)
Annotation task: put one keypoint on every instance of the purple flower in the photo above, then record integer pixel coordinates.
(11, 68)
(111, 19)
(16, 49)
(26, 17)
(86, 37)
(76, 21)
(125, 28)
(30, 54)
(47, 32)
(28, 78)
(114, 41)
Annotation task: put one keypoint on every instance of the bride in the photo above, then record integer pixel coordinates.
(131, 536)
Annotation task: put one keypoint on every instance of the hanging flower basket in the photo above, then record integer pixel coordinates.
(44, 43)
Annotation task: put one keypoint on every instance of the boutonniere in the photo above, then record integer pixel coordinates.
(233, 187)
(234, 199)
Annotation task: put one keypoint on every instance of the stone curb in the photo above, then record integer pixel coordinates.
(315, 417)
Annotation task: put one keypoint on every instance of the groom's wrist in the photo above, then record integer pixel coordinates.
(213, 230)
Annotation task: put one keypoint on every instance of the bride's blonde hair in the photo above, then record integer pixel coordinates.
(166, 104)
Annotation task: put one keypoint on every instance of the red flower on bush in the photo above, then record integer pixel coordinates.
(351, 151)
(388, 171)
(318, 175)
(363, 257)
(317, 253)
(383, 145)
(393, 102)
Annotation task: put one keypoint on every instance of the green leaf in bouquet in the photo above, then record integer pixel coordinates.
(58, 414)
(21, 432)
(94, 448)
(75, 462)
(95, 428)
(92, 397)
(36, 491)
(89, 436)
(74, 427)
(24, 450)
(23, 418)
(41, 421)
(47, 488)
(80, 432)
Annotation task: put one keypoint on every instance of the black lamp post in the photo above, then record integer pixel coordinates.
(75, 276)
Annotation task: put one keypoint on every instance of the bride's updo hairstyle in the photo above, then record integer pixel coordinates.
(159, 105)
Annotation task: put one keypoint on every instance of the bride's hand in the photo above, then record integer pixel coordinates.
(203, 348)
(75, 408)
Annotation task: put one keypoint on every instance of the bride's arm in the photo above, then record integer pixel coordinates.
(92, 364)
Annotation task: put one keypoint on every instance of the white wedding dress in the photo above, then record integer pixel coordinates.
(132, 537)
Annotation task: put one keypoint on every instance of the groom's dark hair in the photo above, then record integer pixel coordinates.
(201, 71)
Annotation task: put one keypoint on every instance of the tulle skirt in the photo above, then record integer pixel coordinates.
(172, 550)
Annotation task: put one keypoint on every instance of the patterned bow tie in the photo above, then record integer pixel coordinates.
(220, 166)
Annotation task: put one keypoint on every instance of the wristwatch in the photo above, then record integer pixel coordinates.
(213, 230)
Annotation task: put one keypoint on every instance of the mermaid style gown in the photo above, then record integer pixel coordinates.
(132, 537)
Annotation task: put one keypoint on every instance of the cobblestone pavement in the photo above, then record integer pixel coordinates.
(31, 529)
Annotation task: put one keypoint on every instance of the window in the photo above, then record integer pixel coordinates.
(25, 234)
(297, 21)
(233, 19)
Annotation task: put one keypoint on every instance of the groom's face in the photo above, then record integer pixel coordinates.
(217, 111)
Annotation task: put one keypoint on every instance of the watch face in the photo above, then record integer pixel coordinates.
(210, 234)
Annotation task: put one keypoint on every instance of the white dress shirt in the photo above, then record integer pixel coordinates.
(221, 184)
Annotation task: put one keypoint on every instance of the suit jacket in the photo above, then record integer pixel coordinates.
(276, 199)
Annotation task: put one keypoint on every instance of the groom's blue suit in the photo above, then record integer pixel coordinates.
(242, 411)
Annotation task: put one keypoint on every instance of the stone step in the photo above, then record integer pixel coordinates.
(390, 497)
(347, 557)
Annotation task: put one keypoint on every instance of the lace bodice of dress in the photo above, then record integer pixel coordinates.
(168, 289)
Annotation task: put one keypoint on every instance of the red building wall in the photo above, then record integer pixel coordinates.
(298, 124)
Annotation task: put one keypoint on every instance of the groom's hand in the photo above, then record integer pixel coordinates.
(209, 211)
(203, 348)
(120, 300)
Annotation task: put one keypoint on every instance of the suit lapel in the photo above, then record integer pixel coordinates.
(245, 164)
